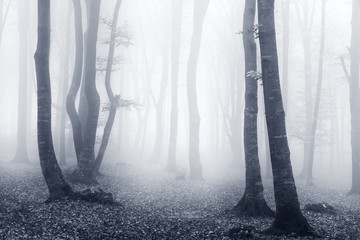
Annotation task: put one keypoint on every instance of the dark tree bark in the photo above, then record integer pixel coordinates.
(355, 97)
(114, 100)
(253, 202)
(177, 6)
(21, 146)
(200, 8)
(87, 157)
(309, 177)
(288, 216)
(76, 80)
(57, 185)
(65, 79)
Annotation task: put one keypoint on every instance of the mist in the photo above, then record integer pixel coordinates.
(166, 106)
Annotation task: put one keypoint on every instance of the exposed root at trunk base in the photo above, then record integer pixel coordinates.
(253, 208)
(296, 226)
(98, 196)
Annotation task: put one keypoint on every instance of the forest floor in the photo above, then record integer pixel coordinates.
(155, 205)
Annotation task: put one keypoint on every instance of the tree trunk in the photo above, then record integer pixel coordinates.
(177, 7)
(200, 8)
(285, 60)
(62, 150)
(253, 202)
(57, 185)
(309, 179)
(306, 35)
(76, 80)
(355, 97)
(288, 218)
(160, 104)
(87, 157)
(114, 100)
(21, 147)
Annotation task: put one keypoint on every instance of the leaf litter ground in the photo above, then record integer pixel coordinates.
(156, 205)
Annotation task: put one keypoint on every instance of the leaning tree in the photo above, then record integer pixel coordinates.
(58, 187)
(288, 217)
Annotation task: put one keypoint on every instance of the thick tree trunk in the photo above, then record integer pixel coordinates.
(309, 178)
(57, 185)
(62, 147)
(76, 80)
(114, 100)
(87, 157)
(177, 6)
(200, 8)
(355, 97)
(288, 216)
(21, 147)
(253, 202)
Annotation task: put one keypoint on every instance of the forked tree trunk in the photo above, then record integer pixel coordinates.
(288, 218)
(76, 80)
(114, 100)
(57, 185)
(253, 202)
(21, 146)
(87, 157)
(355, 97)
(309, 177)
(177, 6)
(200, 8)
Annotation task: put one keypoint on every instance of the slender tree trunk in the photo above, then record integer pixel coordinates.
(76, 80)
(87, 157)
(285, 60)
(253, 202)
(62, 150)
(355, 97)
(177, 6)
(114, 100)
(309, 181)
(288, 216)
(21, 147)
(160, 104)
(200, 8)
(306, 25)
(57, 185)
(83, 103)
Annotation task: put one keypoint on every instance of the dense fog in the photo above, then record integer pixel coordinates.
(142, 64)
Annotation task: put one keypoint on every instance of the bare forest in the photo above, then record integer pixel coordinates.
(180, 119)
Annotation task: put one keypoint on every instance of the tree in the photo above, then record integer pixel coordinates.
(114, 99)
(309, 171)
(253, 202)
(76, 81)
(21, 147)
(65, 76)
(177, 6)
(57, 185)
(288, 217)
(200, 8)
(87, 157)
(355, 97)
(285, 4)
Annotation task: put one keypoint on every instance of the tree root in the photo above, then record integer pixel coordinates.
(88, 195)
(253, 207)
(297, 226)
